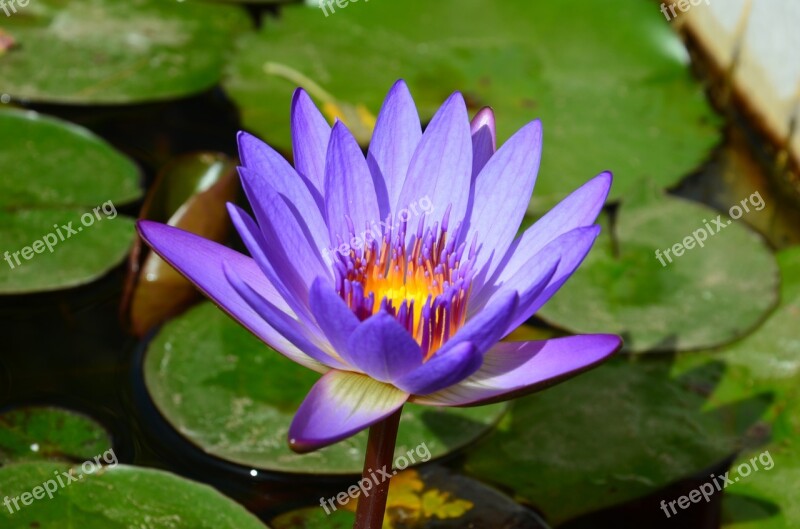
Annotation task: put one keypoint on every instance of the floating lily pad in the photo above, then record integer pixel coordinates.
(767, 498)
(115, 497)
(766, 361)
(703, 298)
(611, 435)
(60, 184)
(432, 498)
(622, 100)
(235, 397)
(49, 433)
(116, 52)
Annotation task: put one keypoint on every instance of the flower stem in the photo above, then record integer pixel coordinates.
(380, 452)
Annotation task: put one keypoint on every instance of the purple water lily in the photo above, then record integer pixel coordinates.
(392, 307)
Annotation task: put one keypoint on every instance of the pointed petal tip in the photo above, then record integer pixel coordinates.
(338, 127)
(535, 130)
(299, 95)
(300, 447)
(601, 184)
(301, 100)
(246, 143)
(606, 177)
(515, 369)
(456, 98)
(152, 231)
(318, 284)
(484, 119)
(484, 116)
(613, 340)
(234, 210)
(143, 226)
(399, 96)
(400, 84)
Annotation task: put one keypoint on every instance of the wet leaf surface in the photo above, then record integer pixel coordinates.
(621, 101)
(700, 298)
(60, 185)
(234, 397)
(115, 497)
(611, 435)
(45, 433)
(116, 52)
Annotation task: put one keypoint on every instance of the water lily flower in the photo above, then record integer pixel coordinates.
(388, 305)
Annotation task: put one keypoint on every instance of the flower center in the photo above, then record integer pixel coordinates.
(424, 282)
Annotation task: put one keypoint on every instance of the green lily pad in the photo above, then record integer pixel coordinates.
(703, 298)
(611, 435)
(767, 498)
(116, 52)
(114, 497)
(621, 100)
(234, 397)
(61, 185)
(30, 434)
(766, 361)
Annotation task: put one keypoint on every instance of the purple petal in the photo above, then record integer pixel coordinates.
(512, 369)
(262, 162)
(485, 328)
(441, 167)
(310, 137)
(289, 245)
(339, 405)
(579, 209)
(575, 245)
(333, 316)
(383, 349)
(484, 139)
(528, 285)
(397, 134)
(442, 371)
(200, 260)
(349, 188)
(287, 285)
(294, 330)
(502, 192)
